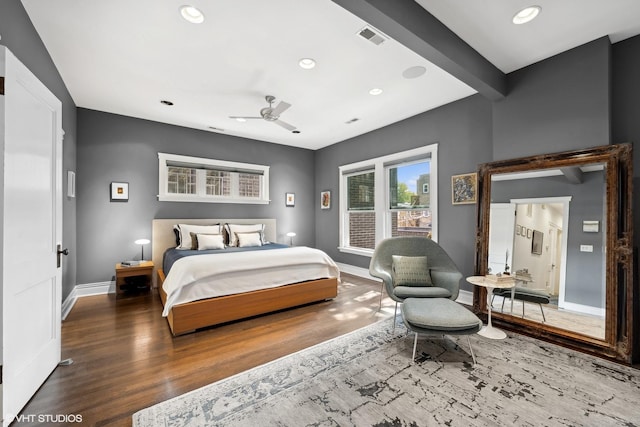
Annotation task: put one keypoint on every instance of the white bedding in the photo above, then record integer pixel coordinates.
(206, 276)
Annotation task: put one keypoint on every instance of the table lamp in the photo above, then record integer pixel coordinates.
(291, 235)
(142, 242)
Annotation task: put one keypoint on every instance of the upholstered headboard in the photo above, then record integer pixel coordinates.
(163, 237)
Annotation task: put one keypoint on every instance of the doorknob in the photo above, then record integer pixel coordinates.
(61, 251)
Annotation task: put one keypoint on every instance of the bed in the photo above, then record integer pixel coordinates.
(184, 315)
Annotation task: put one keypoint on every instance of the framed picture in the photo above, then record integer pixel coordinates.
(536, 243)
(464, 189)
(325, 199)
(119, 191)
(290, 199)
(529, 233)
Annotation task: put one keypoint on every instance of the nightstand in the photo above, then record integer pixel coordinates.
(133, 277)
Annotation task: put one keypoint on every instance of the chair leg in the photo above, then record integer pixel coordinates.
(381, 294)
(502, 308)
(523, 309)
(395, 313)
(473, 356)
(415, 344)
(542, 311)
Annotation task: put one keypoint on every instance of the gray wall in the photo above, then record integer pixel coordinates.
(585, 275)
(559, 104)
(19, 35)
(463, 132)
(119, 148)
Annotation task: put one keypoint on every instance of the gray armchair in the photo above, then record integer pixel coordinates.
(445, 275)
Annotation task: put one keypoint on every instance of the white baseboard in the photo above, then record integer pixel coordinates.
(84, 290)
(584, 309)
(356, 271)
(101, 288)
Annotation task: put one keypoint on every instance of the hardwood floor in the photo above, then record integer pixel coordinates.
(125, 359)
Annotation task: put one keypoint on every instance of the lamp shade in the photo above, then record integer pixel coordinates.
(291, 235)
(142, 242)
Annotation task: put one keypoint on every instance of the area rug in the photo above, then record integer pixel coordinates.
(366, 378)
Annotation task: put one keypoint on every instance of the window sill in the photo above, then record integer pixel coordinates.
(356, 251)
(212, 200)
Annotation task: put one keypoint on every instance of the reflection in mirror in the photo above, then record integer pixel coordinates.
(561, 225)
(537, 234)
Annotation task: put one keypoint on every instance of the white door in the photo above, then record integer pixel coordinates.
(554, 259)
(502, 219)
(31, 139)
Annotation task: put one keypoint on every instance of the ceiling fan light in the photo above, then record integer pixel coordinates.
(192, 14)
(526, 15)
(307, 63)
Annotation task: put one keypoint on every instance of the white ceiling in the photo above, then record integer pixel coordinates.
(124, 57)
(561, 25)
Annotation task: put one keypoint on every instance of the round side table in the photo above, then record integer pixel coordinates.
(489, 331)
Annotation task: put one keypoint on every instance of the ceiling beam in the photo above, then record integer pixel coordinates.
(410, 24)
(573, 174)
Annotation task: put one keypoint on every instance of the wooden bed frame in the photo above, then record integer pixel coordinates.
(187, 317)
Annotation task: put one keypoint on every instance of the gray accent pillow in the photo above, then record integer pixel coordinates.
(410, 271)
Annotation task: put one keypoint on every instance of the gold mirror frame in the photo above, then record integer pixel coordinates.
(618, 340)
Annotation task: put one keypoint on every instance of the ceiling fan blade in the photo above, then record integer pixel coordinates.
(285, 125)
(280, 108)
(244, 117)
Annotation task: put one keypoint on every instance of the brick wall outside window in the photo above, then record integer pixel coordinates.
(362, 229)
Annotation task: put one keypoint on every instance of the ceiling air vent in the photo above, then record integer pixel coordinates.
(372, 35)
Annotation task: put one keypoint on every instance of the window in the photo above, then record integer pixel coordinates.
(388, 196)
(194, 179)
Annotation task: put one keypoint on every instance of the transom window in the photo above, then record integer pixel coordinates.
(389, 196)
(195, 179)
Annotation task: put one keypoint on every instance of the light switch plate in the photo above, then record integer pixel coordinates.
(586, 248)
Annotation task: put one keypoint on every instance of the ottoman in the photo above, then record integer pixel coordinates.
(439, 316)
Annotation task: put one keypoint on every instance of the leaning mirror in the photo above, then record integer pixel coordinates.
(560, 225)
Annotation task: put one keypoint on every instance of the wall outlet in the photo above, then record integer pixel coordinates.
(586, 248)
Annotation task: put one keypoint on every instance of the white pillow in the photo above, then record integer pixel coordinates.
(187, 242)
(210, 241)
(246, 240)
(233, 229)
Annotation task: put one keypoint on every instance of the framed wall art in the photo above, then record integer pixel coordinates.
(464, 189)
(290, 200)
(119, 191)
(325, 199)
(536, 242)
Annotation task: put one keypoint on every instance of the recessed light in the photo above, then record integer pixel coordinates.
(414, 72)
(527, 14)
(192, 14)
(165, 102)
(375, 91)
(241, 120)
(307, 63)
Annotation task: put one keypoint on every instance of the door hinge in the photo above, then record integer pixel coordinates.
(1, 85)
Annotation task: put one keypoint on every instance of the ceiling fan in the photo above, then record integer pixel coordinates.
(272, 114)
